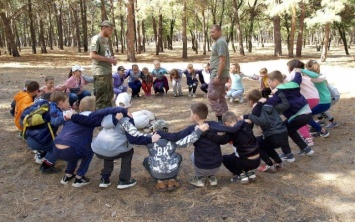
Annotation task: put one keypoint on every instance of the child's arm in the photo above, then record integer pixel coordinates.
(173, 137)
(94, 119)
(193, 137)
(56, 115)
(134, 136)
(219, 139)
(283, 103)
(227, 129)
(88, 79)
(315, 77)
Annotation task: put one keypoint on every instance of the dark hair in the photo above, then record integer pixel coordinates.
(276, 75)
(200, 109)
(217, 27)
(46, 96)
(295, 63)
(33, 86)
(174, 74)
(48, 78)
(70, 73)
(254, 95)
(57, 96)
(228, 117)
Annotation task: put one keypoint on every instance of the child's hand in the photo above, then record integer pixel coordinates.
(262, 100)
(273, 91)
(248, 121)
(130, 114)
(204, 127)
(240, 118)
(119, 116)
(69, 113)
(155, 137)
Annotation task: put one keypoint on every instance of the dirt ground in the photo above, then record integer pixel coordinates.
(315, 188)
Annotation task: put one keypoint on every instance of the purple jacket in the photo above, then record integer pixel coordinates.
(117, 80)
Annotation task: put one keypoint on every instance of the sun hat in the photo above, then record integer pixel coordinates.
(77, 67)
(123, 100)
(107, 23)
(160, 125)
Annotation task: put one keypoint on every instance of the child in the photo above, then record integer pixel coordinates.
(74, 85)
(313, 71)
(49, 87)
(13, 103)
(335, 95)
(40, 138)
(207, 156)
(113, 142)
(308, 90)
(191, 79)
(175, 78)
(73, 143)
(246, 150)
(297, 114)
(24, 100)
(205, 77)
(274, 131)
(147, 81)
(134, 83)
(237, 88)
(158, 71)
(160, 82)
(118, 81)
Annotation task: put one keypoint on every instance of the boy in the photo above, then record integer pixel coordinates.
(13, 103)
(207, 156)
(246, 150)
(40, 138)
(114, 142)
(274, 131)
(49, 87)
(24, 100)
(298, 113)
(73, 143)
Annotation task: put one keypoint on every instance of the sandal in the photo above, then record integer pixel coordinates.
(173, 184)
(160, 186)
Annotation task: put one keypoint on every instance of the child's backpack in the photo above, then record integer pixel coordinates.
(37, 115)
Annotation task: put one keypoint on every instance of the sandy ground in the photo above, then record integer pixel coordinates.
(315, 188)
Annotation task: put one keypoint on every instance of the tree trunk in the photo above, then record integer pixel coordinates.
(196, 35)
(155, 35)
(184, 37)
(293, 30)
(42, 41)
(342, 33)
(10, 38)
(144, 35)
(139, 41)
(323, 57)
(130, 31)
(32, 29)
(84, 24)
(50, 28)
(251, 25)
(237, 25)
(122, 33)
(170, 41)
(160, 33)
(222, 13)
(77, 26)
(277, 36)
(300, 29)
(114, 23)
(59, 18)
(204, 37)
(17, 37)
(103, 11)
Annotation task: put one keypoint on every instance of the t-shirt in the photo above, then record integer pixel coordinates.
(101, 46)
(220, 48)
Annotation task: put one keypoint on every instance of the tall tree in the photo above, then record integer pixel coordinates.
(184, 35)
(32, 29)
(6, 21)
(103, 11)
(293, 30)
(299, 43)
(59, 19)
(83, 9)
(252, 12)
(114, 23)
(130, 31)
(236, 7)
(75, 10)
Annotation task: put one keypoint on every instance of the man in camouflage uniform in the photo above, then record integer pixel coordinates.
(102, 61)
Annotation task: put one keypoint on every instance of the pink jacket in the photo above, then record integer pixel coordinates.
(74, 86)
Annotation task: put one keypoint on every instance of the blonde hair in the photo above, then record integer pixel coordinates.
(237, 66)
(263, 70)
(88, 103)
(254, 95)
(313, 65)
(57, 96)
(190, 66)
(276, 75)
(229, 117)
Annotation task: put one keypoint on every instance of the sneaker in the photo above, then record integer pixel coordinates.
(190, 94)
(48, 169)
(173, 184)
(81, 182)
(288, 157)
(123, 185)
(324, 134)
(38, 158)
(279, 166)
(104, 183)
(306, 151)
(241, 100)
(266, 168)
(65, 180)
(251, 176)
(331, 125)
(175, 95)
(194, 95)
(236, 178)
(212, 180)
(231, 100)
(197, 181)
(309, 141)
(180, 94)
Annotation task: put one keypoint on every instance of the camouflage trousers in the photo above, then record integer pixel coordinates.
(103, 91)
(216, 96)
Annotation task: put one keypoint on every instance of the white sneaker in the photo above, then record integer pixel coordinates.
(194, 95)
(190, 94)
(241, 100)
(231, 100)
(38, 159)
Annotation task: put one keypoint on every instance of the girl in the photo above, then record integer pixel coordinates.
(237, 88)
(74, 85)
(191, 79)
(206, 76)
(313, 71)
(175, 78)
(147, 81)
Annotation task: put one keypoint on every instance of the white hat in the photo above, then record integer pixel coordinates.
(77, 67)
(123, 100)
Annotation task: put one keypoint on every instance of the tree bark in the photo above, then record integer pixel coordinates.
(299, 43)
(83, 14)
(139, 40)
(293, 30)
(77, 26)
(59, 18)
(144, 35)
(32, 29)
(184, 37)
(42, 41)
(342, 33)
(170, 41)
(160, 33)
(323, 57)
(251, 24)
(154, 21)
(50, 27)
(121, 34)
(237, 25)
(204, 37)
(277, 36)
(103, 11)
(10, 38)
(130, 31)
(114, 23)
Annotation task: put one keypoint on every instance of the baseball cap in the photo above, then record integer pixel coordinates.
(107, 23)
(77, 67)
(121, 68)
(123, 100)
(160, 125)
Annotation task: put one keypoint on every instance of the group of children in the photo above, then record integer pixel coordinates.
(292, 95)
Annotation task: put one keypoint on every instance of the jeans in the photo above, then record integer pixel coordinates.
(34, 145)
(119, 90)
(268, 145)
(77, 97)
(136, 87)
(192, 86)
(126, 161)
(103, 90)
(235, 93)
(72, 156)
(237, 165)
(320, 108)
(177, 87)
(204, 87)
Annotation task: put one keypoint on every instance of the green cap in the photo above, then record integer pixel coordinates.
(106, 23)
